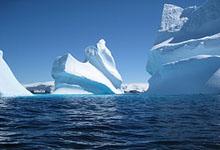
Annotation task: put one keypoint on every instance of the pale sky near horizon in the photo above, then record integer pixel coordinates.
(34, 32)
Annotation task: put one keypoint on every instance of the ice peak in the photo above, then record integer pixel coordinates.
(101, 44)
(9, 85)
(102, 41)
(98, 50)
(101, 57)
(68, 55)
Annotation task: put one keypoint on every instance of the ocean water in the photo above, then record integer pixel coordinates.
(110, 122)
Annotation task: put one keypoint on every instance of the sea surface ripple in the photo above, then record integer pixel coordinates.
(110, 122)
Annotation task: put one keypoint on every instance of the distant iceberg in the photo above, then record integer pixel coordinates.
(97, 75)
(40, 87)
(135, 87)
(186, 56)
(9, 86)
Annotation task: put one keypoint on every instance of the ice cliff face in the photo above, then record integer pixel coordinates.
(97, 75)
(189, 23)
(101, 57)
(185, 57)
(9, 86)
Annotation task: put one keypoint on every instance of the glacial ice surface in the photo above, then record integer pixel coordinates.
(97, 75)
(9, 85)
(185, 57)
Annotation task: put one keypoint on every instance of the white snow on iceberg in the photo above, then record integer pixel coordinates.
(40, 87)
(101, 57)
(185, 57)
(189, 76)
(135, 87)
(98, 75)
(9, 86)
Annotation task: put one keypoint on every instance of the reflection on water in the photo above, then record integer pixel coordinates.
(110, 122)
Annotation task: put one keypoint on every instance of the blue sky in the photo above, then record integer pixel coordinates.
(34, 32)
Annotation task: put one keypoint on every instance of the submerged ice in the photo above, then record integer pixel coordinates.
(97, 75)
(186, 56)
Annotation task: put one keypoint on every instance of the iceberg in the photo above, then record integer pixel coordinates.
(40, 87)
(185, 56)
(135, 87)
(9, 85)
(97, 75)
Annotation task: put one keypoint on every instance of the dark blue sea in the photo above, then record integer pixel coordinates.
(110, 122)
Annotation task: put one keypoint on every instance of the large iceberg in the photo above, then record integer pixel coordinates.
(9, 85)
(185, 58)
(97, 75)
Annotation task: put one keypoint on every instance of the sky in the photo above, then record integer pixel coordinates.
(34, 32)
